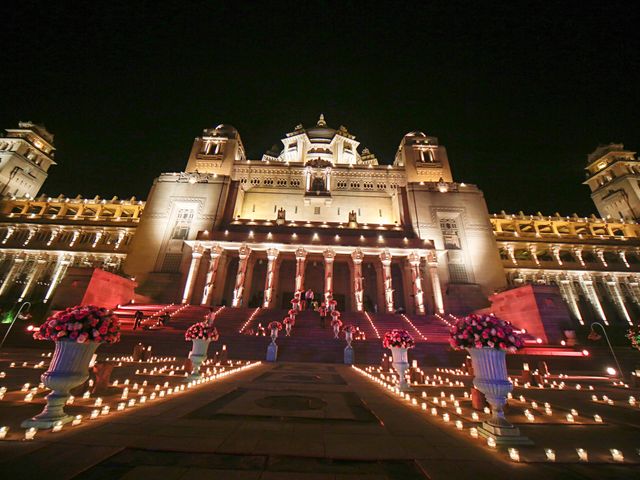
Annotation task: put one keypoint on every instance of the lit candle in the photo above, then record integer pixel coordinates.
(514, 454)
(551, 454)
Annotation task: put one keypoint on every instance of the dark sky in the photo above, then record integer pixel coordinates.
(518, 92)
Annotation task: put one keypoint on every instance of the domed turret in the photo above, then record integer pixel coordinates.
(226, 130)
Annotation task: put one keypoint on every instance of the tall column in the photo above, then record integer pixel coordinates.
(592, 296)
(196, 257)
(329, 257)
(17, 264)
(33, 278)
(618, 299)
(210, 283)
(272, 255)
(416, 281)
(634, 289)
(58, 273)
(566, 289)
(385, 259)
(301, 255)
(357, 256)
(243, 253)
(435, 282)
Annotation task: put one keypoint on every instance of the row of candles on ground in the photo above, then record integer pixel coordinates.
(159, 392)
(548, 411)
(514, 454)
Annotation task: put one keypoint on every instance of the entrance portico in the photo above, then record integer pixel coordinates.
(318, 266)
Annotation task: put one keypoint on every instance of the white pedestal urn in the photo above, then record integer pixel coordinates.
(401, 364)
(287, 327)
(348, 351)
(491, 378)
(272, 349)
(336, 331)
(198, 354)
(69, 368)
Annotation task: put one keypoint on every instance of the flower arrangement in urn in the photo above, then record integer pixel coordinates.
(336, 323)
(292, 313)
(201, 331)
(484, 331)
(488, 339)
(82, 323)
(398, 339)
(348, 330)
(275, 325)
(77, 332)
(633, 334)
(289, 322)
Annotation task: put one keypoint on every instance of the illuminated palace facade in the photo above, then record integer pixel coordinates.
(319, 213)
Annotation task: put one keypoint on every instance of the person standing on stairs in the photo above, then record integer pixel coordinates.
(137, 319)
(309, 298)
(322, 310)
(210, 317)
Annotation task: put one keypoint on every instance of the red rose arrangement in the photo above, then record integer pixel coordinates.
(274, 325)
(484, 331)
(398, 338)
(349, 328)
(336, 322)
(201, 331)
(292, 313)
(289, 321)
(82, 323)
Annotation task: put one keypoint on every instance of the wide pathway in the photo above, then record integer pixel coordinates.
(276, 421)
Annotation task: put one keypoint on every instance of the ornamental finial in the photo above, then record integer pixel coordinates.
(321, 122)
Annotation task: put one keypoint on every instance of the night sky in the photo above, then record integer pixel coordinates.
(519, 93)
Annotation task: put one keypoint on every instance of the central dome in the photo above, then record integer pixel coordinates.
(321, 131)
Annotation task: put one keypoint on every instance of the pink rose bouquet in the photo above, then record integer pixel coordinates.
(274, 325)
(398, 338)
(484, 331)
(201, 331)
(82, 323)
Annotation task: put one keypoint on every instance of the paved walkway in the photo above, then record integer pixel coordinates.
(276, 421)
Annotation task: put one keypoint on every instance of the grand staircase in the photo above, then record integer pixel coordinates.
(308, 342)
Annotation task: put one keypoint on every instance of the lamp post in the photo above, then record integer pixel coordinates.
(14, 321)
(610, 347)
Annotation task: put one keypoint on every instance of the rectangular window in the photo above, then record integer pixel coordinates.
(380, 212)
(316, 210)
(338, 210)
(296, 210)
(184, 218)
(458, 273)
(253, 208)
(171, 263)
(450, 233)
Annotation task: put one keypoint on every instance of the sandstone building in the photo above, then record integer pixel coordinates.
(320, 213)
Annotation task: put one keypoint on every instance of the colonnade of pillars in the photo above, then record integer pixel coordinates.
(414, 260)
(572, 285)
(34, 268)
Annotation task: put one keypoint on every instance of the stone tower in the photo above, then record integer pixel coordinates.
(613, 174)
(26, 153)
